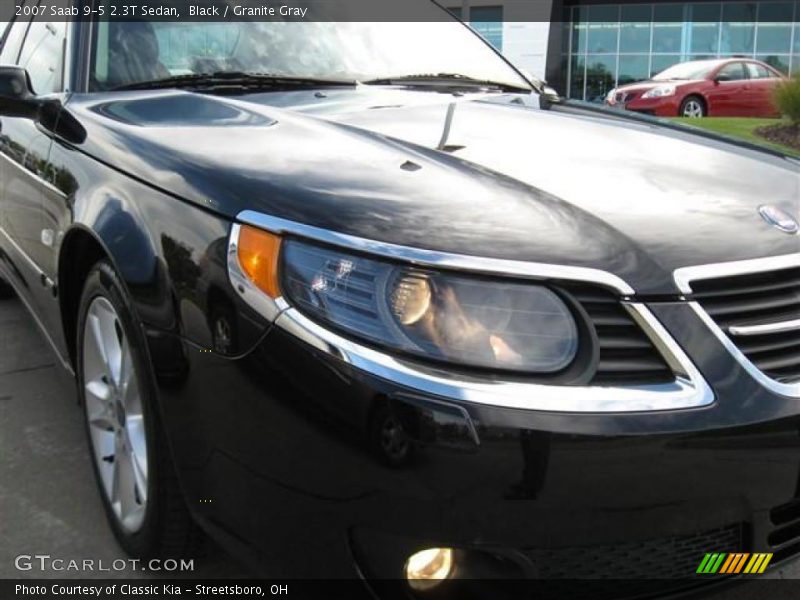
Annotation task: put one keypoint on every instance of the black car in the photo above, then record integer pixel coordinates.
(360, 300)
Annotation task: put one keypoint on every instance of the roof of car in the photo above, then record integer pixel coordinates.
(717, 61)
(728, 59)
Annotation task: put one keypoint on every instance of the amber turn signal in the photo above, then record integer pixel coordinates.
(258, 256)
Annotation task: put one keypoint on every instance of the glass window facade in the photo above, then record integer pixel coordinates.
(486, 20)
(615, 44)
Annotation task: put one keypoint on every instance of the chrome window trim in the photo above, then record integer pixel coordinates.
(434, 258)
(28, 173)
(67, 64)
(82, 72)
(686, 275)
(689, 390)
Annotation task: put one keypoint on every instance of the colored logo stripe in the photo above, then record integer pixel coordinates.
(758, 563)
(765, 563)
(704, 564)
(727, 564)
(734, 563)
(737, 563)
(711, 562)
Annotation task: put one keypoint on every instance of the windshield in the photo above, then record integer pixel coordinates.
(126, 53)
(690, 70)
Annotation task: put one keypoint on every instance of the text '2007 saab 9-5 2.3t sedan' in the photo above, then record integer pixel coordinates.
(400, 313)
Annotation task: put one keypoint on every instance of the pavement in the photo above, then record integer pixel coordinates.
(48, 500)
(49, 504)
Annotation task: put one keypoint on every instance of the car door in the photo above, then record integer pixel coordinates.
(10, 153)
(25, 152)
(725, 97)
(762, 86)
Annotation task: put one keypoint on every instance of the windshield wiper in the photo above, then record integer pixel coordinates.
(233, 81)
(445, 80)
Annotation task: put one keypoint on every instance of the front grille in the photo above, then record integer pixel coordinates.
(626, 96)
(627, 356)
(757, 299)
(673, 557)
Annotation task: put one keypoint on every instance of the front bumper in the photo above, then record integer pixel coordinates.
(283, 442)
(316, 456)
(659, 107)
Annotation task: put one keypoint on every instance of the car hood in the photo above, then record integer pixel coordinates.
(512, 181)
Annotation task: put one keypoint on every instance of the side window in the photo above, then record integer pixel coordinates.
(759, 72)
(13, 41)
(732, 72)
(42, 55)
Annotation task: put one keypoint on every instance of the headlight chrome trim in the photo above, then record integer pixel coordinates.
(268, 307)
(435, 259)
(689, 390)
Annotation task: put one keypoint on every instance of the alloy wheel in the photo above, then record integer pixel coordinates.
(693, 109)
(114, 414)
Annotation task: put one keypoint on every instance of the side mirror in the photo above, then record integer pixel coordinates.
(720, 78)
(17, 99)
(16, 96)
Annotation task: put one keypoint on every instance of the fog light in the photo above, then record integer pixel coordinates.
(428, 568)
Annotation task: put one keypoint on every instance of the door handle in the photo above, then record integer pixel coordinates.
(48, 237)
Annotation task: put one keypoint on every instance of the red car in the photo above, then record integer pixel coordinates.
(735, 87)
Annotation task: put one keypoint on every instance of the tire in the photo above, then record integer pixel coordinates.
(693, 107)
(127, 445)
(6, 291)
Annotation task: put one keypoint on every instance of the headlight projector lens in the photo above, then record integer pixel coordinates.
(411, 299)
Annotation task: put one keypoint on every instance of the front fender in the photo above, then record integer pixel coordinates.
(170, 254)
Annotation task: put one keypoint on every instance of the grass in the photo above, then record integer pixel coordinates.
(738, 127)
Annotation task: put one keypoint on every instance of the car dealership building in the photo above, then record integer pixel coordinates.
(583, 48)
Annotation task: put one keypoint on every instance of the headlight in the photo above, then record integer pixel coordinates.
(610, 96)
(471, 321)
(660, 91)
